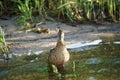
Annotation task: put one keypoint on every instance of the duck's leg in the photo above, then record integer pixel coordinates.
(60, 68)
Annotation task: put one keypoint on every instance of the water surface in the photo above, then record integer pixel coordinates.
(101, 62)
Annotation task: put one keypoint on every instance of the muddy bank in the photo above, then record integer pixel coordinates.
(21, 42)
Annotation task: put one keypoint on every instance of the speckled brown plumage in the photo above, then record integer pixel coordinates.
(59, 55)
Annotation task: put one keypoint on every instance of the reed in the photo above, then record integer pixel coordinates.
(70, 10)
(86, 9)
(26, 10)
(40, 8)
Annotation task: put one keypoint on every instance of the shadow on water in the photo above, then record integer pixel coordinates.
(101, 62)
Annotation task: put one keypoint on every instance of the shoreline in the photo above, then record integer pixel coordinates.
(21, 42)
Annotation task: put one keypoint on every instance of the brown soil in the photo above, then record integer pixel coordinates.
(21, 42)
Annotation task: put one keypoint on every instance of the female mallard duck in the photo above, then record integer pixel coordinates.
(59, 55)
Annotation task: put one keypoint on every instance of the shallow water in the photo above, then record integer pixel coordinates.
(101, 62)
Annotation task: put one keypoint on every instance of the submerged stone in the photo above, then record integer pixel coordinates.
(93, 61)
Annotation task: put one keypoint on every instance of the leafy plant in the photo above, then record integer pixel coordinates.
(70, 10)
(3, 45)
(25, 7)
(65, 9)
(40, 7)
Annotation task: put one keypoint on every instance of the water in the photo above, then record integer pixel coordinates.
(3, 72)
(101, 62)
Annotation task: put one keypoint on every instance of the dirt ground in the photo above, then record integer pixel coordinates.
(21, 42)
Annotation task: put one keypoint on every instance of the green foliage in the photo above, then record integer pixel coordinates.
(26, 10)
(70, 10)
(40, 7)
(3, 44)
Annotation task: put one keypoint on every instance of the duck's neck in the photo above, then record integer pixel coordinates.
(61, 36)
(60, 43)
(60, 40)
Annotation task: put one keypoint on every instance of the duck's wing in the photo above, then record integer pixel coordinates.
(52, 50)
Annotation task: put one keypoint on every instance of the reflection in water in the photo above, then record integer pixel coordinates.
(63, 74)
(57, 76)
(3, 72)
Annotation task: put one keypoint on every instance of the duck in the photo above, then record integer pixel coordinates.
(59, 55)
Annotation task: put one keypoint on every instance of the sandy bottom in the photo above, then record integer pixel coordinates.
(21, 42)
